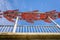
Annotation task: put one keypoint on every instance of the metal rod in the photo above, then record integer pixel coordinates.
(15, 25)
(54, 22)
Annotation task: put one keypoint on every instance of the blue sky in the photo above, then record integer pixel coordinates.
(29, 5)
(42, 5)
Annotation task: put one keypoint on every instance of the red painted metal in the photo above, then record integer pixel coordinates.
(31, 16)
(59, 15)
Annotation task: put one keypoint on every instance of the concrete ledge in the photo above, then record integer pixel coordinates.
(30, 35)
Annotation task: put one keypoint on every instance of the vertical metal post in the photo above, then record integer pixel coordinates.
(15, 26)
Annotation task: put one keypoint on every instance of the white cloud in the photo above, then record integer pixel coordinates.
(5, 5)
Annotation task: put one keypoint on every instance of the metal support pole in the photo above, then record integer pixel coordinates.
(54, 22)
(15, 25)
